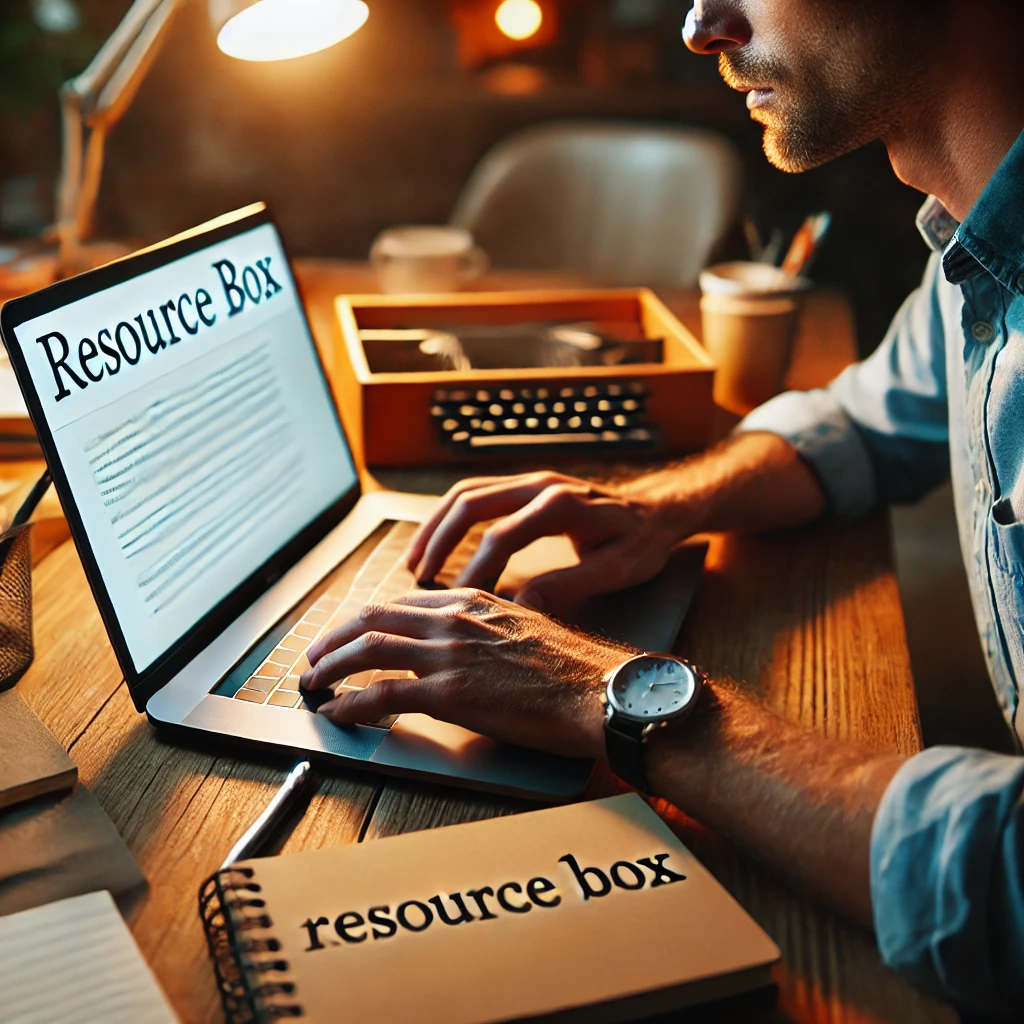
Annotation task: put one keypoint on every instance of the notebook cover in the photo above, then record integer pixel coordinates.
(593, 911)
(60, 846)
(32, 762)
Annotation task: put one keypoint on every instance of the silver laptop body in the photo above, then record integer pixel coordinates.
(196, 448)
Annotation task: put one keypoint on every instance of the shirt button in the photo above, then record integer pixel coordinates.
(982, 331)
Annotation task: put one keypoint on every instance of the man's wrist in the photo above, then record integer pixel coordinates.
(751, 481)
(627, 740)
(672, 512)
(692, 496)
(680, 759)
(593, 712)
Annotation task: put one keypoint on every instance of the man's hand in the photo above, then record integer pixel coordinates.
(620, 541)
(623, 536)
(483, 663)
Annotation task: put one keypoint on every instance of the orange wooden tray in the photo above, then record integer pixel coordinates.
(389, 413)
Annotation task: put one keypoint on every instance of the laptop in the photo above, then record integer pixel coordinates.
(197, 450)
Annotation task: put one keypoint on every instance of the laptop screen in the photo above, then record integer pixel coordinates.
(192, 420)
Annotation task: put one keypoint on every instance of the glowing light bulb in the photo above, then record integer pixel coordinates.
(519, 19)
(281, 29)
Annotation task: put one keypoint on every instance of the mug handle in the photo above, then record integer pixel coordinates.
(476, 263)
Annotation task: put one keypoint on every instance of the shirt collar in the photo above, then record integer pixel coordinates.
(991, 237)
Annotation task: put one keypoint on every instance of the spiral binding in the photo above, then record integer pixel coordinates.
(230, 907)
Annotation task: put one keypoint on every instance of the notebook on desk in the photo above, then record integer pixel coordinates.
(591, 912)
(32, 762)
(211, 492)
(73, 962)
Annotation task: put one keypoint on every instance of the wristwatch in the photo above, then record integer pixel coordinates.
(645, 693)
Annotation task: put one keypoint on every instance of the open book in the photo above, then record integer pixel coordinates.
(593, 911)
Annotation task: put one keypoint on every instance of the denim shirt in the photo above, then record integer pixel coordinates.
(944, 395)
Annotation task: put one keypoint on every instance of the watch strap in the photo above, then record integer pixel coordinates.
(626, 753)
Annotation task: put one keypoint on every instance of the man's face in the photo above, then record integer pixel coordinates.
(823, 77)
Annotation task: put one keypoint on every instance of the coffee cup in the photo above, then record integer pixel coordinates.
(426, 259)
(749, 313)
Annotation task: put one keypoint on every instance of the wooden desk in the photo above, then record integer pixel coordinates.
(811, 619)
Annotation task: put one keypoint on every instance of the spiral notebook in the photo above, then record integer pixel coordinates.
(593, 911)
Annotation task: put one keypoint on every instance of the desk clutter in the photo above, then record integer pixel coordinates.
(454, 378)
(66, 956)
(56, 841)
(592, 911)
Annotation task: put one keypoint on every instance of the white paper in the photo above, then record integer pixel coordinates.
(75, 961)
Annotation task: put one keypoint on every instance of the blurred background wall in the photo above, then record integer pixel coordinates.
(385, 128)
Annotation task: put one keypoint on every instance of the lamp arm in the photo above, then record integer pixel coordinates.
(92, 103)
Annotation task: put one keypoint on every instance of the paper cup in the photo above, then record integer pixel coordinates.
(751, 341)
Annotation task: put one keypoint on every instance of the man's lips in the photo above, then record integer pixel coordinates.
(756, 94)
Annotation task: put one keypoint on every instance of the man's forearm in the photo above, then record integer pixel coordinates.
(750, 482)
(802, 803)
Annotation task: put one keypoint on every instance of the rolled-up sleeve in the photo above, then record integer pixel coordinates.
(879, 431)
(947, 876)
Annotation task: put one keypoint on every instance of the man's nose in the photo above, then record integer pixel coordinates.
(715, 26)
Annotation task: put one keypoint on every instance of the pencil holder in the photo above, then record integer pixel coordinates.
(16, 650)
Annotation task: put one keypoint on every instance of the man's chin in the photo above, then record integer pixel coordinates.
(777, 142)
(785, 152)
(797, 144)
(780, 153)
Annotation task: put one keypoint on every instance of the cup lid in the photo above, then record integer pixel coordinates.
(766, 304)
(745, 278)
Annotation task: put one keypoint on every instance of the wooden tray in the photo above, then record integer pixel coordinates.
(388, 414)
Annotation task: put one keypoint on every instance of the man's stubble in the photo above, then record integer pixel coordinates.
(847, 86)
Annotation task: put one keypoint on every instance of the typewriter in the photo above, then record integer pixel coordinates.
(512, 420)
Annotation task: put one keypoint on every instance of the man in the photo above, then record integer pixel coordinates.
(930, 850)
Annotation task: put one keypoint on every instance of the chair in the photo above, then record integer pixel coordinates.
(627, 204)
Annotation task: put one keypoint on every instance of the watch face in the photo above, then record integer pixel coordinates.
(650, 688)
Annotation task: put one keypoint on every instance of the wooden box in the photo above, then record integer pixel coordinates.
(388, 415)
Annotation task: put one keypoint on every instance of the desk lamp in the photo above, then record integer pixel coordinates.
(93, 103)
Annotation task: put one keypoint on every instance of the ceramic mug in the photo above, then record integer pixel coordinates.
(426, 259)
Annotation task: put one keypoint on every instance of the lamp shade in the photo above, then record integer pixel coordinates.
(265, 30)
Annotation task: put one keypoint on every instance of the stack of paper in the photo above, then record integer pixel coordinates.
(75, 961)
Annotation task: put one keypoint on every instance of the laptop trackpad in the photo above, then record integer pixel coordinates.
(450, 753)
(647, 617)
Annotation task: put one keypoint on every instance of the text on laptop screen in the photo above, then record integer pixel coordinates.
(195, 428)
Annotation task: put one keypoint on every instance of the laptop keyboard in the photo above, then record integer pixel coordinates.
(382, 577)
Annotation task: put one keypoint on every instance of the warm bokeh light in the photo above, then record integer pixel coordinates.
(280, 29)
(519, 19)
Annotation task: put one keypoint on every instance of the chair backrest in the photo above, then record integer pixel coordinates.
(629, 204)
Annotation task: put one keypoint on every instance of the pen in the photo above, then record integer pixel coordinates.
(805, 243)
(264, 826)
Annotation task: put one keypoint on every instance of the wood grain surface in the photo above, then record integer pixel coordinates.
(810, 621)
